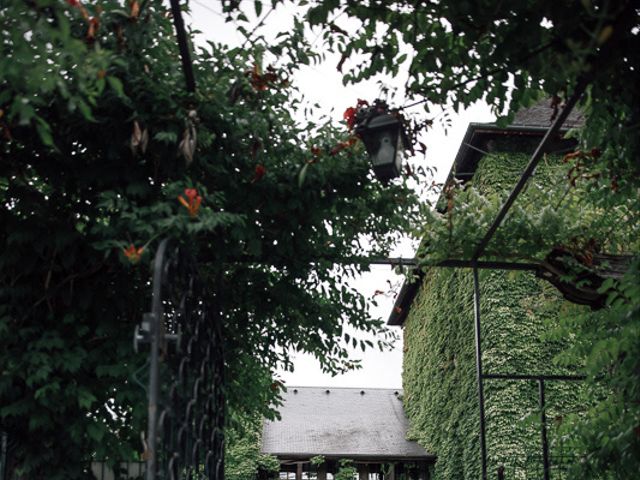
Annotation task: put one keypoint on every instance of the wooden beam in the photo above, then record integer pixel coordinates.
(299, 471)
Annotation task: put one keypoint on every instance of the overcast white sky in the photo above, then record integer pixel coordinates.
(322, 84)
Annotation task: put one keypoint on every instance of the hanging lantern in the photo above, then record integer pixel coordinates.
(384, 138)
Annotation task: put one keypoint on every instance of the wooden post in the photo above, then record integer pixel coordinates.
(392, 472)
(363, 471)
(424, 472)
(322, 471)
(299, 471)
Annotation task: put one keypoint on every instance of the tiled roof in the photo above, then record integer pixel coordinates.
(541, 115)
(341, 422)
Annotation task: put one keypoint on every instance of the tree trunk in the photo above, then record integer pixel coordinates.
(579, 277)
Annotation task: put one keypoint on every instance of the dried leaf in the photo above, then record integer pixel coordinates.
(302, 175)
(144, 141)
(341, 62)
(187, 146)
(605, 34)
(136, 138)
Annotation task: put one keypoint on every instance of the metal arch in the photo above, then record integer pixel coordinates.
(185, 438)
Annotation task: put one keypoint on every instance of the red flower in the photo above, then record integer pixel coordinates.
(260, 171)
(132, 253)
(192, 202)
(350, 113)
(350, 116)
(74, 3)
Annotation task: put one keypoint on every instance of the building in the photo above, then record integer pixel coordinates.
(436, 314)
(319, 427)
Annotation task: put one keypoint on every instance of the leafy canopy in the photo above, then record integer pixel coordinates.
(99, 139)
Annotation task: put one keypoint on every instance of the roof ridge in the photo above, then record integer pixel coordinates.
(342, 388)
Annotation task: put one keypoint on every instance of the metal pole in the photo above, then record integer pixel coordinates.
(154, 369)
(543, 431)
(531, 166)
(546, 378)
(479, 375)
(183, 45)
(3, 454)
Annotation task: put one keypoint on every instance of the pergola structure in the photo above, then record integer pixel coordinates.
(320, 427)
(548, 131)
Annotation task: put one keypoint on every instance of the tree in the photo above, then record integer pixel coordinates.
(509, 55)
(103, 154)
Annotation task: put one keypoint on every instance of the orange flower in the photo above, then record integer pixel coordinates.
(94, 23)
(262, 81)
(342, 145)
(134, 9)
(192, 202)
(132, 253)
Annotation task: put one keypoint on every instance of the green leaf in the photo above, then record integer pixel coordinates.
(96, 432)
(116, 84)
(85, 398)
(44, 132)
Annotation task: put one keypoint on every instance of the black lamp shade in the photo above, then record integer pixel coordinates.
(382, 138)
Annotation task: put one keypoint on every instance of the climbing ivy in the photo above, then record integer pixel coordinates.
(439, 365)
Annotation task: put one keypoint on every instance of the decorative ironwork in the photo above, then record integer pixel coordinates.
(186, 402)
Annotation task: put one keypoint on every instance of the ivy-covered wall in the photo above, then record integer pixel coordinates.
(439, 373)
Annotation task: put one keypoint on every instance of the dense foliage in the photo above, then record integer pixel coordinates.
(103, 153)
(243, 459)
(600, 425)
(439, 364)
(508, 54)
(459, 52)
(439, 379)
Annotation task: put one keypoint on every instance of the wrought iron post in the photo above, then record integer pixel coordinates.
(186, 402)
(479, 374)
(3, 454)
(543, 430)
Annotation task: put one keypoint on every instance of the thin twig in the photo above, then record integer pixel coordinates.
(258, 25)
(69, 278)
(490, 73)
